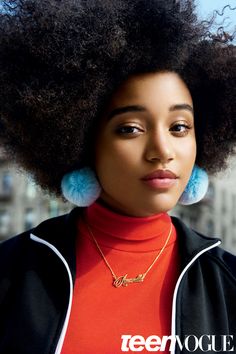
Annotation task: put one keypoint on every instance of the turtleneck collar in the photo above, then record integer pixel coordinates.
(128, 233)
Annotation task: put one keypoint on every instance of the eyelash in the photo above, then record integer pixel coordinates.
(183, 125)
(124, 130)
(121, 131)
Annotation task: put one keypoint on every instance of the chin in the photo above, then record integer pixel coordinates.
(142, 207)
(162, 204)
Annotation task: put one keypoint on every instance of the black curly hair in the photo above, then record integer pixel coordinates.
(61, 60)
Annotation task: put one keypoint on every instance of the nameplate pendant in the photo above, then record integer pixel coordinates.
(124, 281)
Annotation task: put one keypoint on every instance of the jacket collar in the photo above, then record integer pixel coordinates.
(61, 232)
(190, 242)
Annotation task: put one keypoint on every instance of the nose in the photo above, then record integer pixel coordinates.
(160, 147)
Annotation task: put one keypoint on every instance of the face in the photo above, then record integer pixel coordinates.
(145, 146)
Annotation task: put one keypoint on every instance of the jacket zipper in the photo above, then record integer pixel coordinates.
(173, 319)
(65, 325)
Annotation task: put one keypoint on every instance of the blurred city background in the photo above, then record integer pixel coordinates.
(23, 205)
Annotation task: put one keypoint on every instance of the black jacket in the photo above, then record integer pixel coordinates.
(37, 271)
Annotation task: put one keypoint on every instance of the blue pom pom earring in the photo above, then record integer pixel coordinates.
(196, 187)
(81, 187)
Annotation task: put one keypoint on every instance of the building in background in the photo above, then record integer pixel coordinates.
(23, 205)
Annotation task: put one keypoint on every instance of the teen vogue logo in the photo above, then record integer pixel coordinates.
(203, 344)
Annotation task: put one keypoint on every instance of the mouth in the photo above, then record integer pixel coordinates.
(160, 179)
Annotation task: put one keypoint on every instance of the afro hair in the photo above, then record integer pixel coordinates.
(61, 60)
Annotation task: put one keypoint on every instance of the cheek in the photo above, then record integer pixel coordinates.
(112, 168)
(187, 156)
(106, 161)
(187, 149)
(116, 156)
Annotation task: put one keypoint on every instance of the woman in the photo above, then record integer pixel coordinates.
(120, 106)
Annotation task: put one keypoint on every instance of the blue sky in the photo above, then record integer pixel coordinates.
(206, 8)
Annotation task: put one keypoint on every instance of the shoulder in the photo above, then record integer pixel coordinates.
(224, 259)
(19, 245)
(12, 248)
(193, 243)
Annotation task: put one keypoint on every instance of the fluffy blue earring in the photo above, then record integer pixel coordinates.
(196, 187)
(81, 187)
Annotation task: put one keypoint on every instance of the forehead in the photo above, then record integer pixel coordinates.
(161, 87)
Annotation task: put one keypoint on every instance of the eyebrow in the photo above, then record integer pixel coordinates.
(122, 110)
(137, 108)
(182, 106)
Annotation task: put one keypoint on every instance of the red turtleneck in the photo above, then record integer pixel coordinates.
(101, 313)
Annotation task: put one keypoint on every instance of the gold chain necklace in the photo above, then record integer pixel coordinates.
(123, 280)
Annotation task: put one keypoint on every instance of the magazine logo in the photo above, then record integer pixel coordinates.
(191, 343)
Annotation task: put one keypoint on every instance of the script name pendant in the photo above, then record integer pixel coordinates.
(124, 281)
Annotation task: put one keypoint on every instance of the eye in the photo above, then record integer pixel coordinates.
(180, 129)
(129, 130)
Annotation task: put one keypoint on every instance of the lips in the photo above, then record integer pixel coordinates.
(160, 174)
(160, 180)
